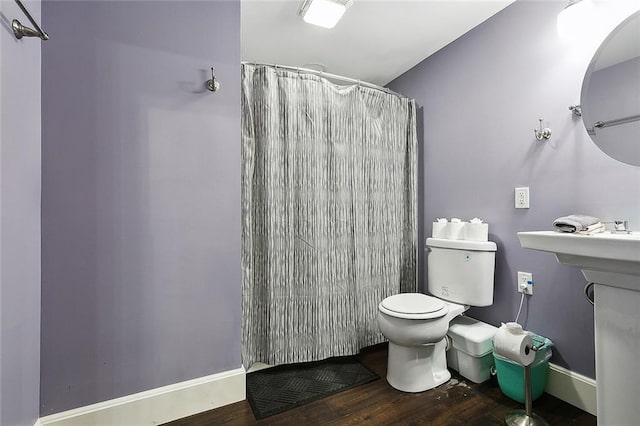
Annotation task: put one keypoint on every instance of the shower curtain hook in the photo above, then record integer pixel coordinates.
(213, 84)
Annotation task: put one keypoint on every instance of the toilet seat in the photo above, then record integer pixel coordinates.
(413, 306)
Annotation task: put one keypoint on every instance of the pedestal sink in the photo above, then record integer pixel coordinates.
(612, 263)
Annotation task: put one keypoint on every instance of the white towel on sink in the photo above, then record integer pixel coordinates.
(574, 223)
(596, 228)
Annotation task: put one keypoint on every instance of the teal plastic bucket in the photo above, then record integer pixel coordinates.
(511, 375)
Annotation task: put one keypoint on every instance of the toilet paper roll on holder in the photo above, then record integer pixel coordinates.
(536, 348)
(526, 416)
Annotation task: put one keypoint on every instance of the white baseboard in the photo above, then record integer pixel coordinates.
(573, 388)
(167, 403)
(158, 405)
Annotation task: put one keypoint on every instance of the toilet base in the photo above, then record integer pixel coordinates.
(417, 368)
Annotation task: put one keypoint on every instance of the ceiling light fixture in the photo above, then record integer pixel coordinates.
(323, 13)
(592, 20)
(573, 19)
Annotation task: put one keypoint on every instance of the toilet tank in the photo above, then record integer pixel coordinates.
(461, 271)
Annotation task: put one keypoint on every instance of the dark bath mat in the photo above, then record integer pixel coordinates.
(277, 389)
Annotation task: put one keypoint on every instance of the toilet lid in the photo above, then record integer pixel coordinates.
(413, 303)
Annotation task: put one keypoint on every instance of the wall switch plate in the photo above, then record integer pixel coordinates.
(522, 197)
(525, 282)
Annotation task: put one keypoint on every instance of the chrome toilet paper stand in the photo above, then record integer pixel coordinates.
(526, 417)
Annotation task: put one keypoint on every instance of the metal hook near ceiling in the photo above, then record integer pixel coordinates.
(213, 85)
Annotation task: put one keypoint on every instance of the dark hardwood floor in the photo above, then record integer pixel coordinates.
(459, 402)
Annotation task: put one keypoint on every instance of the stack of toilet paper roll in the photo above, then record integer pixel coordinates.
(456, 229)
(512, 342)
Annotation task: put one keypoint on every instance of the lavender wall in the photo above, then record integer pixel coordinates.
(141, 197)
(19, 221)
(482, 97)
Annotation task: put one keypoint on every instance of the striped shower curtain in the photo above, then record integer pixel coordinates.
(328, 213)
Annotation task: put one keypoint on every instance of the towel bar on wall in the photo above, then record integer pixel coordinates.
(20, 30)
(602, 124)
(615, 122)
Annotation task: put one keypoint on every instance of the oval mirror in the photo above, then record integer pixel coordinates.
(610, 97)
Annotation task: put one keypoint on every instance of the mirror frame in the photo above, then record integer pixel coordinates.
(586, 84)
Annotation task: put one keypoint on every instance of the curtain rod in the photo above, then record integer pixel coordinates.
(20, 30)
(329, 76)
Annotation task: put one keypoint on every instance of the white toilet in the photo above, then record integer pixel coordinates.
(460, 274)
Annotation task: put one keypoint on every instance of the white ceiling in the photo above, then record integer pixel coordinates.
(376, 40)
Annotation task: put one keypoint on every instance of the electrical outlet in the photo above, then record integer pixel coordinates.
(525, 282)
(522, 197)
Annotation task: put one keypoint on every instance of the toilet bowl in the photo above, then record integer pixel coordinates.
(415, 325)
(461, 274)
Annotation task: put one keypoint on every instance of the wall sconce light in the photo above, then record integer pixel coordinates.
(323, 13)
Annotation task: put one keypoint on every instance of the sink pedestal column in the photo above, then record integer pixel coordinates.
(612, 262)
(617, 329)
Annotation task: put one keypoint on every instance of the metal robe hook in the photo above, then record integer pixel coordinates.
(542, 134)
(213, 84)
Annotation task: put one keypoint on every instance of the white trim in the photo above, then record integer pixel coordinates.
(159, 405)
(573, 388)
(183, 399)
(257, 366)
